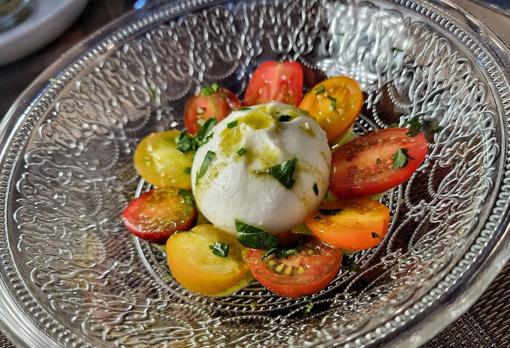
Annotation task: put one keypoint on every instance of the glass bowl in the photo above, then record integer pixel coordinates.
(71, 275)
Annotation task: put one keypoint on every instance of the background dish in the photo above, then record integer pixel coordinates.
(379, 309)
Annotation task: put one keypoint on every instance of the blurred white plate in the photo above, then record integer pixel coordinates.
(48, 19)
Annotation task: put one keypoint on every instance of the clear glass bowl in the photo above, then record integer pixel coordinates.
(71, 275)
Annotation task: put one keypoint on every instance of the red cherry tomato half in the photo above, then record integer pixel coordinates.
(211, 102)
(376, 162)
(275, 81)
(308, 271)
(157, 214)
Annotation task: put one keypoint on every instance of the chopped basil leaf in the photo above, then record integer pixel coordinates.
(333, 102)
(208, 90)
(232, 124)
(378, 161)
(320, 89)
(400, 159)
(329, 211)
(396, 49)
(280, 252)
(253, 237)
(187, 195)
(283, 172)
(205, 132)
(375, 235)
(187, 170)
(414, 126)
(220, 249)
(394, 125)
(186, 142)
(209, 157)
(349, 265)
(308, 307)
(315, 189)
(284, 118)
(242, 151)
(244, 108)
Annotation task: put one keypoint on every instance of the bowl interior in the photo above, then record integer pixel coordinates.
(99, 286)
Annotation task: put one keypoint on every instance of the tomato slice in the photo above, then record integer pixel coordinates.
(308, 271)
(158, 213)
(212, 101)
(350, 225)
(335, 103)
(369, 164)
(275, 81)
(197, 268)
(158, 161)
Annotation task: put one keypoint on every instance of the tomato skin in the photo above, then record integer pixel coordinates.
(275, 81)
(196, 268)
(335, 104)
(359, 223)
(318, 269)
(364, 166)
(157, 214)
(203, 107)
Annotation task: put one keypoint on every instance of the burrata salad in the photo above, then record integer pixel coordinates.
(275, 188)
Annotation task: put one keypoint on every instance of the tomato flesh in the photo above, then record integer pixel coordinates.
(350, 225)
(307, 272)
(200, 108)
(365, 165)
(158, 213)
(335, 103)
(198, 269)
(158, 160)
(275, 81)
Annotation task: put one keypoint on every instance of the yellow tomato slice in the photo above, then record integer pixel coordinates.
(334, 103)
(197, 268)
(350, 225)
(158, 161)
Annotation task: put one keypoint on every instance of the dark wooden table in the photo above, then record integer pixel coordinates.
(484, 325)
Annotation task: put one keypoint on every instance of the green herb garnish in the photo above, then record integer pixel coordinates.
(400, 159)
(283, 172)
(284, 118)
(329, 212)
(375, 235)
(378, 161)
(209, 157)
(220, 249)
(205, 132)
(436, 129)
(333, 102)
(244, 108)
(187, 195)
(242, 151)
(232, 124)
(286, 252)
(308, 307)
(186, 142)
(208, 90)
(414, 126)
(187, 170)
(320, 89)
(253, 237)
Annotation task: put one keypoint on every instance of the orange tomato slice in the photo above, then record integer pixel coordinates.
(350, 225)
(335, 104)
